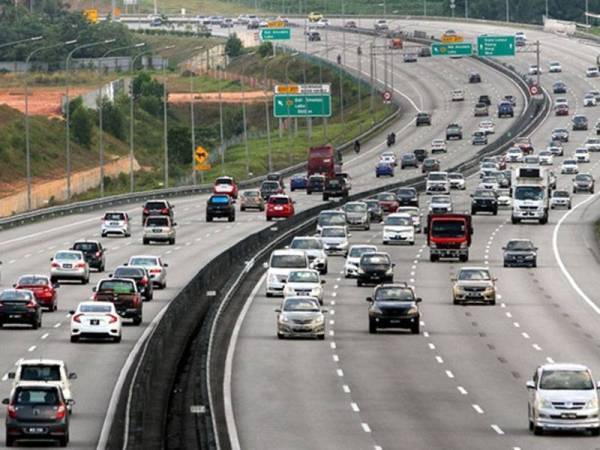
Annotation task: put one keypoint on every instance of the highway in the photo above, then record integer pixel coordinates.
(461, 383)
(28, 249)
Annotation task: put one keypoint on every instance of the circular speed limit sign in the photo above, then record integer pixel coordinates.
(387, 96)
(534, 90)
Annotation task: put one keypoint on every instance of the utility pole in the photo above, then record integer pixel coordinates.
(507, 11)
(371, 78)
(537, 57)
(359, 54)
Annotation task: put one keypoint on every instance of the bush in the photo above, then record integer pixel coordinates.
(265, 49)
(234, 46)
(180, 145)
(82, 125)
(113, 119)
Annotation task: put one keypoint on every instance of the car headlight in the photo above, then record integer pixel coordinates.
(458, 289)
(272, 278)
(412, 310)
(432, 245)
(593, 403)
(389, 271)
(376, 309)
(283, 319)
(489, 290)
(318, 320)
(544, 403)
(316, 292)
(288, 290)
(344, 244)
(463, 245)
(361, 271)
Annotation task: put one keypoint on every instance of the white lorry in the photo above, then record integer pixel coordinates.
(531, 192)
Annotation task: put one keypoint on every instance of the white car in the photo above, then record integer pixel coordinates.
(487, 127)
(458, 95)
(437, 183)
(440, 204)
(69, 265)
(592, 144)
(560, 199)
(304, 282)
(531, 160)
(561, 101)
(398, 228)
(589, 100)
(281, 263)
(52, 372)
(381, 25)
(323, 23)
(313, 247)
(457, 181)
(353, 258)
(389, 158)
(503, 198)
(95, 320)
(487, 168)
(115, 222)
(489, 183)
(414, 213)
(521, 35)
(582, 155)
(534, 69)
(592, 72)
(546, 158)
(554, 67)
(438, 145)
(569, 166)
(556, 150)
(155, 267)
(514, 155)
(335, 240)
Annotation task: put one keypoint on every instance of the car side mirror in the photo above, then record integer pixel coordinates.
(418, 300)
(72, 376)
(94, 289)
(535, 249)
(323, 281)
(393, 264)
(56, 285)
(51, 259)
(530, 384)
(5, 401)
(454, 279)
(110, 275)
(125, 264)
(503, 248)
(494, 279)
(174, 224)
(11, 375)
(324, 311)
(70, 402)
(277, 310)
(165, 265)
(72, 312)
(369, 299)
(265, 265)
(15, 285)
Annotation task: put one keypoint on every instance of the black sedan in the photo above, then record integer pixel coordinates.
(520, 253)
(394, 306)
(141, 277)
(20, 307)
(375, 210)
(421, 154)
(474, 77)
(559, 88)
(407, 196)
(375, 268)
(484, 200)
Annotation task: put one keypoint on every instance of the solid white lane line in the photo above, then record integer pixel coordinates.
(477, 408)
(365, 427)
(346, 388)
(497, 429)
(355, 407)
(462, 390)
(32, 348)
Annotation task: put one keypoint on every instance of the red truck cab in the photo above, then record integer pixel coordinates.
(322, 160)
(524, 143)
(279, 206)
(225, 185)
(449, 236)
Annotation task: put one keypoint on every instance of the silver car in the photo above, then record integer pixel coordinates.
(115, 222)
(560, 199)
(357, 215)
(304, 282)
(159, 228)
(313, 247)
(155, 266)
(563, 397)
(335, 240)
(69, 265)
(353, 258)
(414, 213)
(300, 317)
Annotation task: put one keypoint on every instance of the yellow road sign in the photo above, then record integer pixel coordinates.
(201, 156)
(117, 12)
(91, 15)
(202, 167)
(277, 24)
(451, 38)
(287, 89)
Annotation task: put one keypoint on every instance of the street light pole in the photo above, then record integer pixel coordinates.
(247, 151)
(267, 116)
(67, 107)
(507, 11)
(287, 80)
(23, 41)
(192, 123)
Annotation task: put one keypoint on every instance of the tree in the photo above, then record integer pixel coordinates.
(265, 49)
(113, 119)
(234, 46)
(83, 125)
(180, 145)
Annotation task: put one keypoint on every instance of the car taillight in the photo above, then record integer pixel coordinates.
(80, 265)
(98, 254)
(112, 318)
(165, 210)
(77, 318)
(146, 211)
(154, 270)
(137, 299)
(144, 281)
(12, 412)
(61, 411)
(31, 304)
(55, 264)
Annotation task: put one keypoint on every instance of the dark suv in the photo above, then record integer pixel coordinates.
(141, 277)
(220, 206)
(520, 253)
(423, 118)
(20, 306)
(421, 154)
(37, 412)
(485, 99)
(270, 187)
(157, 208)
(474, 77)
(93, 252)
(454, 131)
(580, 123)
(315, 183)
(394, 306)
(375, 268)
(123, 293)
(484, 200)
(407, 196)
(335, 187)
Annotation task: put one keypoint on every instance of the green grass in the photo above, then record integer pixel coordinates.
(204, 7)
(201, 83)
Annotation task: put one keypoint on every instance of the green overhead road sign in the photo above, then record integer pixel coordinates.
(456, 49)
(275, 34)
(301, 105)
(496, 45)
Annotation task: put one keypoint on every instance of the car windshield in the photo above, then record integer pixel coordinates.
(398, 221)
(251, 194)
(306, 244)
(356, 207)
(98, 308)
(372, 204)
(455, 176)
(143, 262)
(437, 177)
(474, 275)
(301, 305)
(120, 286)
(114, 216)
(219, 199)
(398, 294)
(569, 162)
(224, 181)
(157, 222)
(333, 232)
(68, 256)
(562, 194)
(408, 156)
(448, 228)
(357, 252)
(288, 261)
(489, 179)
(33, 281)
(566, 380)
(14, 295)
(316, 179)
(529, 193)
(484, 194)
(279, 200)
(405, 193)
(129, 272)
(40, 372)
(583, 177)
(337, 218)
(155, 205)
(581, 150)
(519, 245)
(38, 396)
(303, 277)
(440, 199)
(386, 197)
(270, 185)
(374, 259)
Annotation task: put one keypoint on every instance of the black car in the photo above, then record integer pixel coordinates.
(157, 208)
(315, 183)
(394, 306)
(485, 99)
(20, 306)
(580, 123)
(335, 187)
(220, 205)
(93, 252)
(423, 118)
(520, 253)
(407, 196)
(474, 77)
(421, 154)
(560, 134)
(270, 187)
(559, 88)
(37, 412)
(375, 210)
(583, 182)
(424, 52)
(375, 268)
(408, 160)
(430, 165)
(141, 277)
(484, 200)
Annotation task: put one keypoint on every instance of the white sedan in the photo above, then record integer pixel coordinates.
(555, 67)
(389, 157)
(156, 268)
(95, 320)
(546, 158)
(589, 100)
(569, 166)
(487, 127)
(304, 282)
(514, 154)
(438, 145)
(440, 204)
(582, 155)
(592, 72)
(399, 228)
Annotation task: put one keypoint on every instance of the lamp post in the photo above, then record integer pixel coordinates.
(507, 11)
(22, 41)
(192, 121)
(67, 107)
(247, 151)
(27, 133)
(267, 116)
(287, 80)
(100, 116)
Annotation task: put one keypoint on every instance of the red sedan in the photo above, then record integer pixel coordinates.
(279, 206)
(225, 185)
(42, 288)
(388, 201)
(561, 110)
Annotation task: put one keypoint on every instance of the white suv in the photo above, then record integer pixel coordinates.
(437, 183)
(116, 222)
(281, 263)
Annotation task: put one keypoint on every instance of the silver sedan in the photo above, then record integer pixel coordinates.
(69, 265)
(156, 267)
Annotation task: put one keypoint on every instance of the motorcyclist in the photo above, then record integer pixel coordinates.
(391, 139)
(357, 146)
(339, 59)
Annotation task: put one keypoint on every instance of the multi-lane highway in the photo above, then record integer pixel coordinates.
(461, 383)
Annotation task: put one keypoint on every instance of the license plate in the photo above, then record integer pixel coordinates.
(36, 430)
(157, 230)
(473, 295)
(67, 266)
(114, 224)
(395, 321)
(95, 322)
(15, 316)
(568, 416)
(278, 208)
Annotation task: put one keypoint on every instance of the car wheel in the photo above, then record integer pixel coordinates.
(538, 431)
(10, 442)
(372, 327)
(74, 339)
(242, 208)
(268, 218)
(53, 280)
(325, 198)
(324, 271)
(145, 241)
(209, 218)
(495, 212)
(434, 258)
(359, 283)
(321, 337)
(64, 441)
(463, 258)
(595, 431)
(101, 268)
(231, 218)
(171, 241)
(534, 264)
(137, 320)
(103, 235)
(455, 302)
(515, 220)
(416, 328)
(85, 280)
(279, 335)
(569, 206)
(128, 235)
(117, 339)
(164, 285)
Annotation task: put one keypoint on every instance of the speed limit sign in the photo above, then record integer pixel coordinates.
(534, 90)
(387, 96)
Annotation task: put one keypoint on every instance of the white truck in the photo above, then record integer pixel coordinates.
(531, 192)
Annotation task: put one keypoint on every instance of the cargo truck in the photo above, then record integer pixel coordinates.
(324, 161)
(531, 192)
(449, 236)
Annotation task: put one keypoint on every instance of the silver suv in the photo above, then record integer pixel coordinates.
(159, 228)
(563, 397)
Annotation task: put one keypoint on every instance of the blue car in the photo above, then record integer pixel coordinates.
(384, 169)
(298, 182)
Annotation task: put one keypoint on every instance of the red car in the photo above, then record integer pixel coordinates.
(42, 288)
(524, 143)
(279, 206)
(226, 185)
(388, 201)
(561, 110)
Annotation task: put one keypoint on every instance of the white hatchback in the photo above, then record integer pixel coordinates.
(582, 155)
(546, 158)
(438, 145)
(95, 320)
(569, 166)
(487, 127)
